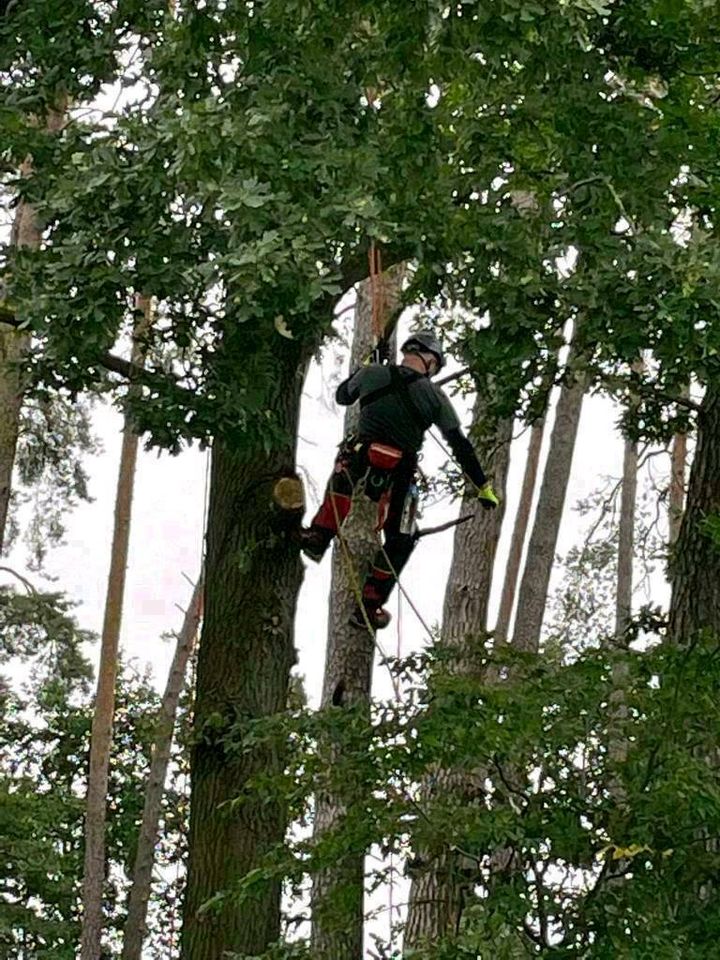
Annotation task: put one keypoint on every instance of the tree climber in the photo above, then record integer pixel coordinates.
(397, 405)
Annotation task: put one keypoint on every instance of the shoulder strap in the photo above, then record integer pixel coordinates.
(398, 384)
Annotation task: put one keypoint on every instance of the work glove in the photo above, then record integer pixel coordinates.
(487, 497)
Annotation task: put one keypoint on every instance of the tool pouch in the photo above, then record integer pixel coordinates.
(382, 460)
(383, 457)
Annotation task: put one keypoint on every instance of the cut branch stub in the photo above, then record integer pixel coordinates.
(289, 494)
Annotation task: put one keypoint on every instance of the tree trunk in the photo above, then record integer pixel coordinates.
(337, 922)
(512, 570)
(253, 574)
(695, 567)
(13, 344)
(436, 892)
(12, 348)
(25, 234)
(102, 725)
(548, 516)
(617, 743)
(626, 539)
(136, 920)
(467, 593)
(678, 459)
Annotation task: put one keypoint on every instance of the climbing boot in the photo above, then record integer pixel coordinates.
(377, 617)
(312, 544)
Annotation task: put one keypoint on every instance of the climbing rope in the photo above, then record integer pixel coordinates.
(356, 585)
(354, 578)
(377, 291)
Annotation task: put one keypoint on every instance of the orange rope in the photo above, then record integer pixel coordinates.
(377, 291)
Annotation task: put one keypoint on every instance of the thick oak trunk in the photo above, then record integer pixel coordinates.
(338, 891)
(104, 707)
(548, 516)
(695, 603)
(136, 920)
(253, 574)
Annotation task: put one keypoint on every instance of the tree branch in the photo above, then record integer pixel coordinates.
(110, 361)
(25, 582)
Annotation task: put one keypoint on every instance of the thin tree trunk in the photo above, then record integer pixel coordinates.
(626, 539)
(102, 725)
(337, 932)
(437, 889)
(548, 516)
(512, 570)
(695, 603)
(678, 460)
(26, 234)
(253, 574)
(467, 593)
(136, 920)
(13, 344)
(617, 743)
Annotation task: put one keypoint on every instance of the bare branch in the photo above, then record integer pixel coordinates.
(25, 582)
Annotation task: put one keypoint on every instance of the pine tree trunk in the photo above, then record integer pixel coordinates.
(678, 459)
(695, 603)
(26, 234)
(626, 539)
(104, 709)
(13, 344)
(136, 920)
(437, 889)
(253, 574)
(337, 931)
(546, 527)
(12, 348)
(517, 542)
(617, 743)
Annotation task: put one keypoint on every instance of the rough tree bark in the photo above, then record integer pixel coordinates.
(104, 709)
(26, 234)
(517, 542)
(436, 892)
(337, 934)
(253, 574)
(546, 527)
(695, 568)
(136, 920)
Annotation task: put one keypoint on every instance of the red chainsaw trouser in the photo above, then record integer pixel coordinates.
(389, 488)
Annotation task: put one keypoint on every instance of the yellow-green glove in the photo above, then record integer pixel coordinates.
(487, 497)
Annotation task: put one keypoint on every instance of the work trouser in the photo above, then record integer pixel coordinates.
(389, 488)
